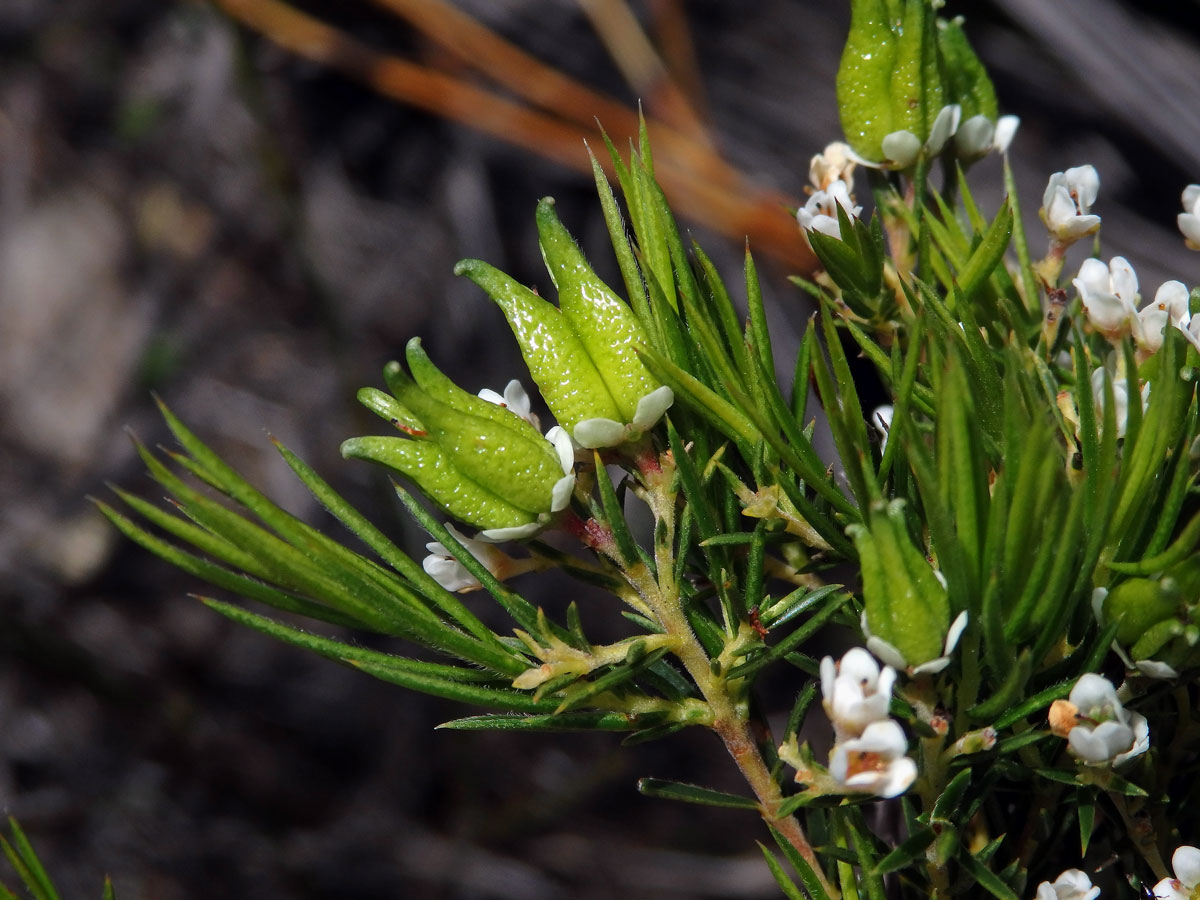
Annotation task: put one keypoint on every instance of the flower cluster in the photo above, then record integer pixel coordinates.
(832, 177)
(869, 753)
(1098, 728)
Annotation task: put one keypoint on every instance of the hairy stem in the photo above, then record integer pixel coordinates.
(730, 720)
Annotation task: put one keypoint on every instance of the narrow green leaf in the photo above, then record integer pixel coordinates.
(358, 524)
(789, 888)
(986, 256)
(1037, 702)
(691, 793)
(1087, 822)
(1176, 553)
(987, 879)
(808, 876)
(23, 858)
(522, 611)
(946, 804)
(561, 722)
(219, 576)
(635, 289)
(907, 851)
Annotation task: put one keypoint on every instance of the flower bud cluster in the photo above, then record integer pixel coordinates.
(869, 753)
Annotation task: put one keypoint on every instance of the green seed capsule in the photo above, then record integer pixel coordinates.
(605, 325)
(967, 81)
(864, 78)
(916, 85)
(432, 470)
(520, 470)
(905, 603)
(558, 362)
(1136, 604)
(437, 385)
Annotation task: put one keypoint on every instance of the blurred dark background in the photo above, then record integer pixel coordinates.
(188, 209)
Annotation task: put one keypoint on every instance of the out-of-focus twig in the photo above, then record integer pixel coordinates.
(643, 69)
(702, 186)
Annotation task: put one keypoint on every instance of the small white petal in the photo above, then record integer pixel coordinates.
(932, 667)
(1192, 333)
(1100, 744)
(881, 418)
(1189, 225)
(592, 434)
(1098, 596)
(901, 148)
(957, 627)
(1094, 692)
(886, 652)
(900, 776)
(1170, 889)
(1153, 668)
(560, 494)
(945, 123)
(1006, 129)
(449, 572)
(1141, 739)
(975, 137)
(515, 533)
(828, 676)
(563, 447)
(652, 407)
(1191, 198)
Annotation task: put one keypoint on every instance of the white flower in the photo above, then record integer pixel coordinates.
(1189, 219)
(592, 434)
(855, 692)
(1185, 863)
(874, 763)
(1169, 307)
(1070, 885)
(835, 163)
(820, 212)
(514, 400)
(1067, 201)
(1098, 728)
(1109, 294)
(453, 575)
